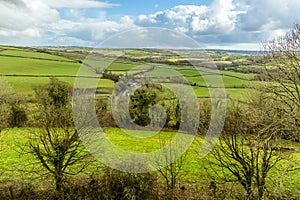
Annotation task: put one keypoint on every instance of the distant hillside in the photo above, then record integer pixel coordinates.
(241, 52)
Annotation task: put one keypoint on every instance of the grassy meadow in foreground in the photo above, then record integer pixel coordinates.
(15, 163)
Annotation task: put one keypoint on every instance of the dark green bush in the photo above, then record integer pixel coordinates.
(18, 116)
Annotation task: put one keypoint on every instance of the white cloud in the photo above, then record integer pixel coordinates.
(218, 18)
(223, 16)
(77, 4)
(27, 13)
(34, 33)
(229, 22)
(91, 30)
(269, 14)
(150, 38)
(20, 21)
(25, 37)
(38, 22)
(26, 33)
(223, 23)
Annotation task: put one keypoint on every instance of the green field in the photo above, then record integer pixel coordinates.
(19, 63)
(25, 85)
(216, 80)
(31, 54)
(194, 167)
(30, 66)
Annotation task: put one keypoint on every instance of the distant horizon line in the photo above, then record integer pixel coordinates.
(90, 47)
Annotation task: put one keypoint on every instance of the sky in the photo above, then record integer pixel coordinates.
(221, 24)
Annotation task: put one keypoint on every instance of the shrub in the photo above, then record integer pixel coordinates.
(18, 116)
(122, 185)
(20, 191)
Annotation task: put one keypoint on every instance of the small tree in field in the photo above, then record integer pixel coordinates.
(18, 116)
(246, 151)
(11, 112)
(170, 162)
(55, 144)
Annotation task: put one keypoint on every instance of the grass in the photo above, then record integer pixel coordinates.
(111, 64)
(32, 54)
(12, 161)
(10, 48)
(161, 71)
(32, 65)
(235, 93)
(123, 65)
(36, 67)
(127, 141)
(109, 52)
(201, 92)
(193, 169)
(98, 60)
(191, 72)
(237, 74)
(216, 80)
(15, 163)
(239, 93)
(24, 85)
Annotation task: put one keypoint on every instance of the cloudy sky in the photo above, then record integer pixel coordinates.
(226, 24)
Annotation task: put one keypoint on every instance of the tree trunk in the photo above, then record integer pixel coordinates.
(58, 186)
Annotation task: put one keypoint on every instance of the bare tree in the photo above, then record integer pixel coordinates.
(55, 144)
(284, 72)
(247, 151)
(170, 161)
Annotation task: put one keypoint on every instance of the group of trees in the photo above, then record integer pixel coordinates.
(248, 148)
(109, 75)
(284, 54)
(145, 107)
